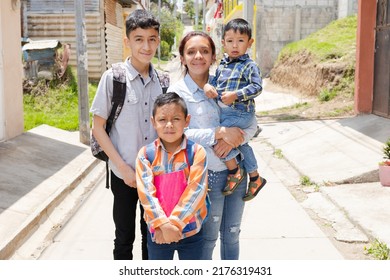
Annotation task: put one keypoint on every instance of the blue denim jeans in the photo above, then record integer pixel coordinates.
(236, 118)
(189, 248)
(224, 218)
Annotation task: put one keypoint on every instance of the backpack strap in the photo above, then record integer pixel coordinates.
(164, 80)
(150, 152)
(190, 151)
(118, 93)
(118, 98)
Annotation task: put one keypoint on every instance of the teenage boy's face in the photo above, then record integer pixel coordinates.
(236, 44)
(143, 44)
(169, 122)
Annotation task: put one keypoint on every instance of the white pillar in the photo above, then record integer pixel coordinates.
(248, 10)
(2, 119)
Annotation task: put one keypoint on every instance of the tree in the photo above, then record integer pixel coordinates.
(169, 25)
(189, 8)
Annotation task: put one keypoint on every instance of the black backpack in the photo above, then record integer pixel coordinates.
(118, 98)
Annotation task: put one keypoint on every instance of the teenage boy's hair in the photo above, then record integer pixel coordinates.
(141, 19)
(240, 25)
(169, 98)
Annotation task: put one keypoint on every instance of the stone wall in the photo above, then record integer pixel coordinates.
(279, 22)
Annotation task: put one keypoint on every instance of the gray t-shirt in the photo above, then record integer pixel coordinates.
(133, 128)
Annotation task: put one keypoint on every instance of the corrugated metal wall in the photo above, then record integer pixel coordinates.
(55, 19)
(62, 27)
(60, 6)
(114, 32)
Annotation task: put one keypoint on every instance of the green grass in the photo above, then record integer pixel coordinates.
(278, 153)
(305, 181)
(162, 62)
(378, 250)
(54, 104)
(335, 41)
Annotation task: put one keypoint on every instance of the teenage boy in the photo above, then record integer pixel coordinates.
(132, 129)
(172, 184)
(236, 83)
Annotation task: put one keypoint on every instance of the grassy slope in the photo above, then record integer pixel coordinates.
(336, 40)
(335, 44)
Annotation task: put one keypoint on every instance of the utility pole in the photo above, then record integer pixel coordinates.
(196, 14)
(82, 71)
(159, 45)
(204, 15)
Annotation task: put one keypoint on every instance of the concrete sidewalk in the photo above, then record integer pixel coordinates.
(341, 157)
(46, 166)
(39, 170)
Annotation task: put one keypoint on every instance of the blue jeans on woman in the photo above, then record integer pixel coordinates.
(224, 217)
(236, 118)
(189, 248)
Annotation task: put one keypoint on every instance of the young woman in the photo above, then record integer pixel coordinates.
(197, 54)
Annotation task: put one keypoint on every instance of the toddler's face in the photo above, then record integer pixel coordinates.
(236, 44)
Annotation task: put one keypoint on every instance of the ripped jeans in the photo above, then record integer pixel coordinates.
(224, 217)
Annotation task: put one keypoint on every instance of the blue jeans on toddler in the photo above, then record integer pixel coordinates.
(236, 118)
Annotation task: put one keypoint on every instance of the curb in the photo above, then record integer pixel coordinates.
(41, 215)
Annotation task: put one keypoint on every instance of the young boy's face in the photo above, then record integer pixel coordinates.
(169, 122)
(143, 44)
(235, 43)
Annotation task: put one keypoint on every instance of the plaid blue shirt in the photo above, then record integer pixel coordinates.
(241, 75)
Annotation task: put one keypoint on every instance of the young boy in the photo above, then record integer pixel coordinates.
(236, 83)
(132, 129)
(172, 184)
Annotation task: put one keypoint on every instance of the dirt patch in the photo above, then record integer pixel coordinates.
(327, 88)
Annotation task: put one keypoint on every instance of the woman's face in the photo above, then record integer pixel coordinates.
(197, 55)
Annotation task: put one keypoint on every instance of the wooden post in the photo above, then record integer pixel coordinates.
(82, 71)
(365, 56)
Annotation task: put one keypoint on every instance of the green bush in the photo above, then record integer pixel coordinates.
(169, 25)
(165, 50)
(327, 95)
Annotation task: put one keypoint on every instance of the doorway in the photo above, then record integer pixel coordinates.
(381, 100)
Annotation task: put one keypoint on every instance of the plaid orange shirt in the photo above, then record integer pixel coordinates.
(192, 203)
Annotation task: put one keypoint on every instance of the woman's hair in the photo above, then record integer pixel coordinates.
(191, 34)
(169, 98)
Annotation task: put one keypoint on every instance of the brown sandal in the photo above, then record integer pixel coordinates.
(233, 181)
(254, 186)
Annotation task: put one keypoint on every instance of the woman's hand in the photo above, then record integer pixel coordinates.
(234, 136)
(210, 91)
(222, 149)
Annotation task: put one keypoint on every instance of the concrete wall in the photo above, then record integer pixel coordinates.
(11, 71)
(347, 8)
(280, 22)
